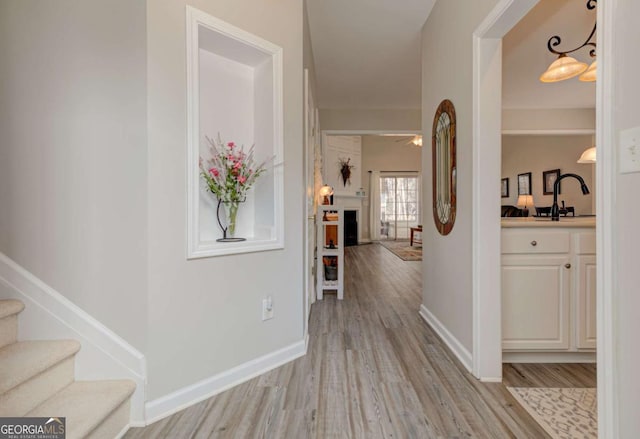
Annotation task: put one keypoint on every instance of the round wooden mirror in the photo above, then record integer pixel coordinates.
(443, 141)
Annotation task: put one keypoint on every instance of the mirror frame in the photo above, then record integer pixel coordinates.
(446, 106)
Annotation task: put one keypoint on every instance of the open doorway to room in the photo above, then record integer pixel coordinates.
(378, 200)
(546, 336)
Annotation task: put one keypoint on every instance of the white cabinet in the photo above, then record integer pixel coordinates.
(535, 302)
(548, 290)
(330, 250)
(586, 302)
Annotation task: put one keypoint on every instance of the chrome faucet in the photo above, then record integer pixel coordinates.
(555, 211)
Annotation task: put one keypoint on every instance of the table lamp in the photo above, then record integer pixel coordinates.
(525, 201)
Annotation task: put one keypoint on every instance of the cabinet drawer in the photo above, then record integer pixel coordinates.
(533, 241)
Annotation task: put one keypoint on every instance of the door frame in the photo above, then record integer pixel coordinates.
(487, 112)
(310, 140)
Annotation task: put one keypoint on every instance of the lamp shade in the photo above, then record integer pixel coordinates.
(564, 67)
(590, 74)
(326, 191)
(588, 156)
(525, 200)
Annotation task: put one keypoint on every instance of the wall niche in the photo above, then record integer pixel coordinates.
(234, 89)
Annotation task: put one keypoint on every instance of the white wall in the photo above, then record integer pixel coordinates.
(73, 166)
(549, 119)
(447, 263)
(385, 153)
(536, 154)
(625, 99)
(205, 314)
(362, 120)
(308, 61)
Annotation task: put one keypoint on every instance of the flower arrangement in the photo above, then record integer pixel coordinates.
(345, 170)
(230, 172)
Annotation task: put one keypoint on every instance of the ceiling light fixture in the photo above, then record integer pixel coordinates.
(566, 67)
(588, 156)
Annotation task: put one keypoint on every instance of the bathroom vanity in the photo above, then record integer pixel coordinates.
(548, 289)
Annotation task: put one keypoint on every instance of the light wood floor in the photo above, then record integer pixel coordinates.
(374, 369)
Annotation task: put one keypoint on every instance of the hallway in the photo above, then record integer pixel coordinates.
(373, 369)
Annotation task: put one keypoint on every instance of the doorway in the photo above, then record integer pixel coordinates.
(487, 352)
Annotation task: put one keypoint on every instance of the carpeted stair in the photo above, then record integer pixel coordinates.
(37, 380)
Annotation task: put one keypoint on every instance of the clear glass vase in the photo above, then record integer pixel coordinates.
(231, 214)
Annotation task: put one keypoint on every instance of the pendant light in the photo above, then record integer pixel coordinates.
(566, 67)
(588, 156)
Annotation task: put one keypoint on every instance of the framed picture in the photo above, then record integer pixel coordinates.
(548, 180)
(524, 184)
(504, 187)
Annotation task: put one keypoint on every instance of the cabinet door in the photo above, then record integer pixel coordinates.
(535, 302)
(586, 302)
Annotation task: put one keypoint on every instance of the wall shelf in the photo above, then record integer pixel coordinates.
(234, 89)
(330, 232)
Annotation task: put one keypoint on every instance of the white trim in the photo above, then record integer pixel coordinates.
(50, 315)
(559, 132)
(195, 247)
(606, 256)
(548, 357)
(486, 157)
(124, 431)
(187, 396)
(368, 132)
(447, 337)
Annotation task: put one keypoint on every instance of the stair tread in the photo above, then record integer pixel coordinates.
(85, 404)
(23, 360)
(9, 307)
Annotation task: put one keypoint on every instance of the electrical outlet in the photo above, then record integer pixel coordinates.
(267, 308)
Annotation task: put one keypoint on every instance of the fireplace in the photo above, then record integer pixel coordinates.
(350, 227)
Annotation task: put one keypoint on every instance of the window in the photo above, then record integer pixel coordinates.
(399, 206)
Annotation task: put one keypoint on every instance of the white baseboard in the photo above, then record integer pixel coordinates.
(449, 339)
(50, 315)
(491, 379)
(548, 357)
(187, 396)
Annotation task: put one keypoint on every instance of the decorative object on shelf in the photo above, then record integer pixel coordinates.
(325, 194)
(345, 170)
(548, 180)
(566, 67)
(330, 268)
(525, 201)
(524, 183)
(229, 174)
(443, 144)
(360, 193)
(504, 188)
(588, 156)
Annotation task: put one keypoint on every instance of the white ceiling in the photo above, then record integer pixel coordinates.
(525, 56)
(367, 54)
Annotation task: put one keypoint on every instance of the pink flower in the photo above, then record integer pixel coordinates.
(238, 165)
(214, 172)
(242, 179)
(231, 145)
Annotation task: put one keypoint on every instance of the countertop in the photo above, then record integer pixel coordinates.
(545, 222)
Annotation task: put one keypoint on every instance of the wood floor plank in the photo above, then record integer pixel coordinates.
(374, 369)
